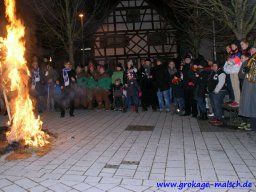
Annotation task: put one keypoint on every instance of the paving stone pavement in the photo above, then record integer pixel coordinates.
(175, 151)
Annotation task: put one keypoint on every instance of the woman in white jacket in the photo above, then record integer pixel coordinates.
(232, 67)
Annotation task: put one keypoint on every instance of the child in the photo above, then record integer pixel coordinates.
(118, 73)
(133, 91)
(178, 93)
(117, 91)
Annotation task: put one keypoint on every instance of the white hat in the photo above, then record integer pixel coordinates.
(130, 62)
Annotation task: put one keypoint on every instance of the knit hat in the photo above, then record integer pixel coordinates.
(130, 62)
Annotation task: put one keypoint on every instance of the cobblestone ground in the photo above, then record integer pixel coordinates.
(94, 152)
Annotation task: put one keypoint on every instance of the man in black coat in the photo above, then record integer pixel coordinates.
(188, 76)
(162, 80)
(67, 82)
(145, 78)
(202, 77)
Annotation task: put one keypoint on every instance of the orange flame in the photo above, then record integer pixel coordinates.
(25, 126)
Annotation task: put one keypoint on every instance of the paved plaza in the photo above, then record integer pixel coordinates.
(94, 152)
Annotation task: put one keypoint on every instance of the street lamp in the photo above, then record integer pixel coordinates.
(81, 15)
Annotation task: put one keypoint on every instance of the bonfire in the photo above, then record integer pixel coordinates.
(25, 127)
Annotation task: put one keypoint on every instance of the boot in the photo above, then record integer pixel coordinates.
(62, 114)
(71, 113)
(200, 117)
(204, 116)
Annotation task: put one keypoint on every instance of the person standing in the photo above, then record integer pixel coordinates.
(172, 70)
(248, 97)
(162, 80)
(217, 90)
(228, 79)
(201, 89)
(133, 91)
(67, 82)
(232, 67)
(130, 68)
(178, 93)
(80, 91)
(103, 89)
(50, 76)
(188, 77)
(145, 79)
(241, 74)
(37, 86)
(91, 85)
(118, 74)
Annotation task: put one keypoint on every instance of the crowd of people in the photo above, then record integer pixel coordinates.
(193, 87)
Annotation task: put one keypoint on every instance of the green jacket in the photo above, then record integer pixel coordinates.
(118, 75)
(104, 82)
(82, 82)
(91, 82)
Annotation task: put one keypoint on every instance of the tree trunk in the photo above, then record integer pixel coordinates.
(69, 33)
(71, 52)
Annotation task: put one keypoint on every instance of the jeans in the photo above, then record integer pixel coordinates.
(180, 103)
(201, 104)
(163, 99)
(133, 99)
(217, 102)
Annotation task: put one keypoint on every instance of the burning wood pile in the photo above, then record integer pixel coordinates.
(24, 127)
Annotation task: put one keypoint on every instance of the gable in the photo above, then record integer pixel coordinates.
(133, 30)
(130, 15)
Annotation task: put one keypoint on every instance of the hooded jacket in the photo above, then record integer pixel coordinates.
(233, 63)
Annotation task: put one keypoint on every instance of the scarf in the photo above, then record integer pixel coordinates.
(65, 76)
(36, 75)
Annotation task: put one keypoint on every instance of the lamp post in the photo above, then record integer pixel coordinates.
(81, 15)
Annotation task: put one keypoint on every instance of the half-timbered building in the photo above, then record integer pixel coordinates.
(134, 30)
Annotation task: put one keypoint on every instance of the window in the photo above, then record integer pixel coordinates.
(114, 41)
